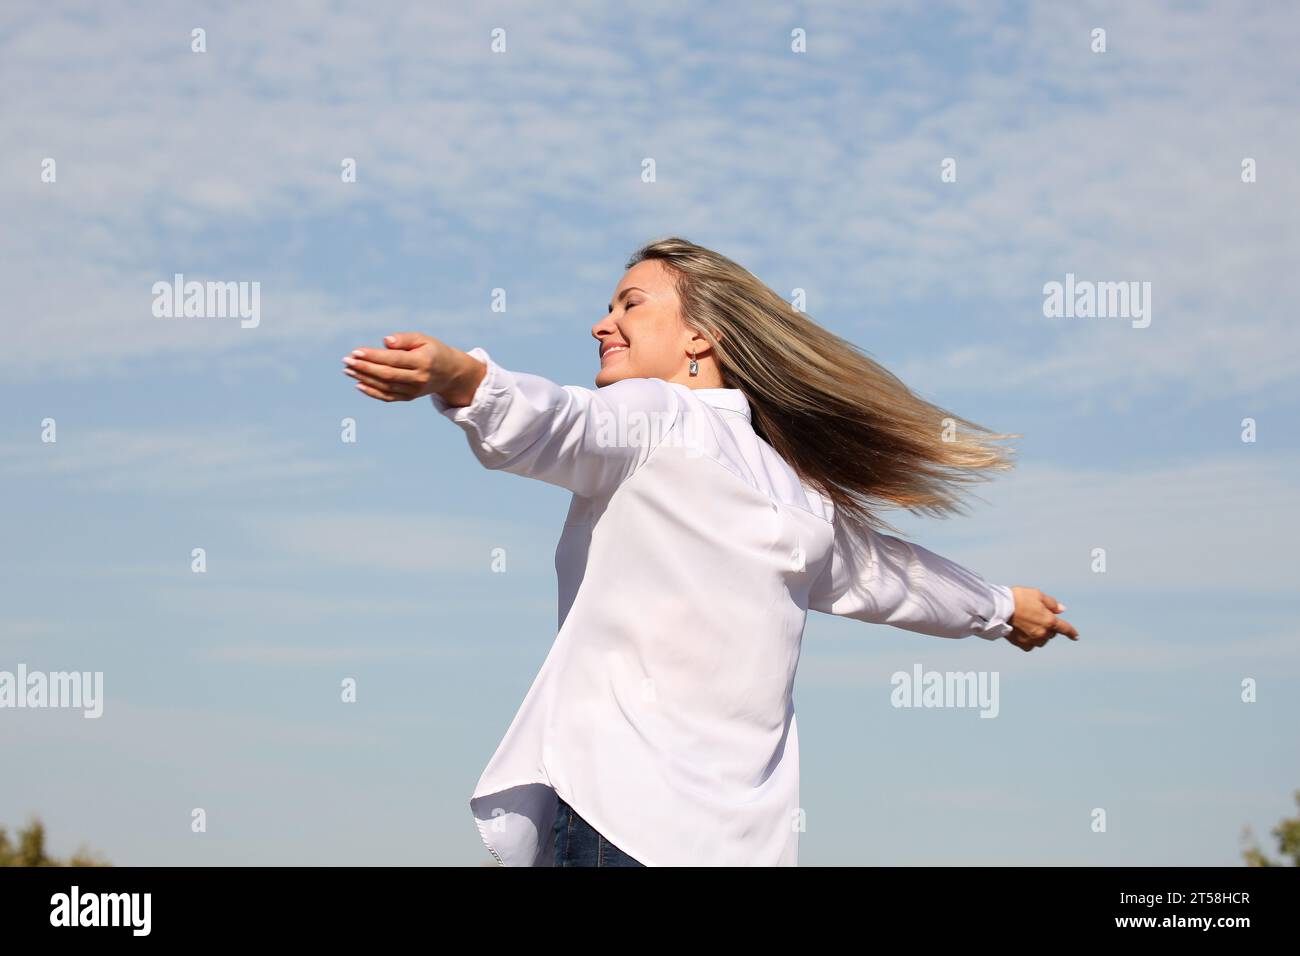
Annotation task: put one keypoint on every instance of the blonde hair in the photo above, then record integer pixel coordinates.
(848, 426)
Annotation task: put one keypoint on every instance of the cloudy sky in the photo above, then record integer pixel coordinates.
(522, 170)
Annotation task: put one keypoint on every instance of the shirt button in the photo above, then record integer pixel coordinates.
(797, 559)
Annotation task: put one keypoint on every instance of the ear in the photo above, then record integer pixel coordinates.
(700, 343)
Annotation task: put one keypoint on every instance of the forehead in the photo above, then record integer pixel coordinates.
(649, 275)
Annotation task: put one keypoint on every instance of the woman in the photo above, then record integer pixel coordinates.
(725, 476)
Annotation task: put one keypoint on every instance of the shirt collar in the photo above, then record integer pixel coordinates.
(732, 399)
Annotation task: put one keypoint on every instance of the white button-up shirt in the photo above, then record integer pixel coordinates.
(689, 559)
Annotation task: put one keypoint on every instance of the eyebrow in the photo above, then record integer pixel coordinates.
(624, 293)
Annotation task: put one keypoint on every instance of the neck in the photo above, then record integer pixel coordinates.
(709, 377)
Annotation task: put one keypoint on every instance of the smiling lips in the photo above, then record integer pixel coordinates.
(611, 350)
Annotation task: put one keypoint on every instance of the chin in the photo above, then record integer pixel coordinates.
(615, 373)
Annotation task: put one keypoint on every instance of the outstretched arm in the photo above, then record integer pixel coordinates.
(585, 440)
(882, 579)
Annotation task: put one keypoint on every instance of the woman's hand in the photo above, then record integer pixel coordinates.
(415, 365)
(1034, 621)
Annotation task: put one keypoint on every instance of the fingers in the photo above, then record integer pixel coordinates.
(1058, 624)
(405, 340)
(377, 387)
(1043, 624)
(1035, 635)
(1063, 626)
(375, 393)
(383, 371)
(400, 372)
(392, 358)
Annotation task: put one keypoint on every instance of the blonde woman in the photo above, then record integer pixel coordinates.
(726, 473)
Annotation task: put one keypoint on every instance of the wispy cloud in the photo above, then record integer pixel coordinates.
(522, 171)
(171, 460)
(1208, 525)
(299, 655)
(884, 651)
(396, 541)
(1068, 160)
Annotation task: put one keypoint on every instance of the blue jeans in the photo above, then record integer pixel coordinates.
(577, 843)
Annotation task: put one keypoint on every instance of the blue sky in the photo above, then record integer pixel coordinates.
(522, 171)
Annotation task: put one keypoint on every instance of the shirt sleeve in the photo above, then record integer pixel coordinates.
(881, 579)
(586, 440)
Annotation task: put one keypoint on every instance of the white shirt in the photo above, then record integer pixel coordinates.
(689, 559)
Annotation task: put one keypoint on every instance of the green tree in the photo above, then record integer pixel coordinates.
(30, 850)
(1287, 834)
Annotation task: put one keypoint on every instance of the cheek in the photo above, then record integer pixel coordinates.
(652, 347)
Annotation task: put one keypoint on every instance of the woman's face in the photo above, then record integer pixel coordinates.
(643, 336)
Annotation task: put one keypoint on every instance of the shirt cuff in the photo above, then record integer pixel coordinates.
(483, 415)
(1004, 606)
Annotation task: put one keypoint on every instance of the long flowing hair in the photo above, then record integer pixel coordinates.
(849, 427)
